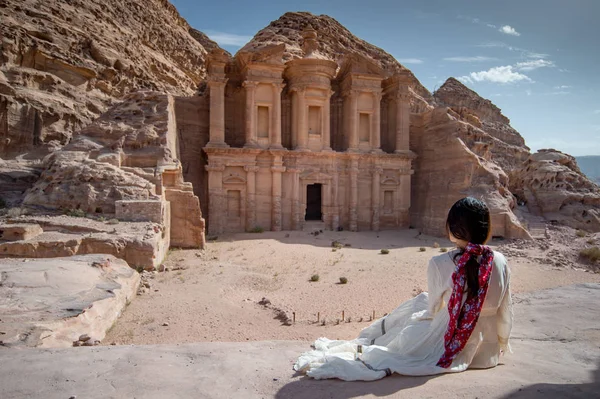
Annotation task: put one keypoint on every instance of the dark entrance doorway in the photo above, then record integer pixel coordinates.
(313, 202)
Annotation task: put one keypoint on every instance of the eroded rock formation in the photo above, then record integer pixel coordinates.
(63, 63)
(551, 185)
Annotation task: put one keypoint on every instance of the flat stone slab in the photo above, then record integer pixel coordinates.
(22, 231)
(51, 302)
(556, 354)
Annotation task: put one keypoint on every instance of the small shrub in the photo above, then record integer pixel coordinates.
(422, 249)
(443, 249)
(77, 213)
(347, 245)
(384, 251)
(436, 245)
(314, 277)
(101, 219)
(257, 229)
(337, 245)
(343, 280)
(591, 254)
(591, 241)
(333, 249)
(113, 221)
(580, 233)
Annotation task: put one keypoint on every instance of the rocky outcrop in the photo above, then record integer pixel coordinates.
(453, 164)
(506, 145)
(551, 185)
(63, 63)
(51, 303)
(74, 181)
(125, 164)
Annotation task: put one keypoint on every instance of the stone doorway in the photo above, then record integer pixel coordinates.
(313, 202)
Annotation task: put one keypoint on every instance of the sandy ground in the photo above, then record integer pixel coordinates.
(214, 295)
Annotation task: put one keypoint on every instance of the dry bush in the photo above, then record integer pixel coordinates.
(591, 254)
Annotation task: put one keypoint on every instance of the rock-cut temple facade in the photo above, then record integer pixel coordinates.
(306, 140)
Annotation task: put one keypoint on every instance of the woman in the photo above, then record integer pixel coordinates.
(464, 321)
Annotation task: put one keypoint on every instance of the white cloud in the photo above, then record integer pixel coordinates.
(562, 87)
(524, 52)
(535, 64)
(410, 61)
(501, 74)
(563, 70)
(477, 58)
(491, 26)
(528, 92)
(559, 93)
(228, 39)
(509, 30)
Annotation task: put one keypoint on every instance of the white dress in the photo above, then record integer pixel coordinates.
(410, 340)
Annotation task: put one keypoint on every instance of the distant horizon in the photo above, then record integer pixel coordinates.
(534, 59)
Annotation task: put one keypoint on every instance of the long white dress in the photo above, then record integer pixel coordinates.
(410, 340)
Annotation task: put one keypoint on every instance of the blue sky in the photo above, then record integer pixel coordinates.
(538, 60)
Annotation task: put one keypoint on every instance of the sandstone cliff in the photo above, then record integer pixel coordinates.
(506, 145)
(63, 63)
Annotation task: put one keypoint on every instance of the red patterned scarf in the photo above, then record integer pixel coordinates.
(463, 318)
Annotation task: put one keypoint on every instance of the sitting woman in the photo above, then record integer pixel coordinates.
(464, 321)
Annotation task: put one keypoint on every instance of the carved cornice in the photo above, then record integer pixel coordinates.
(251, 169)
(217, 80)
(279, 169)
(214, 168)
(250, 84)
(278, 86)
(377, 170)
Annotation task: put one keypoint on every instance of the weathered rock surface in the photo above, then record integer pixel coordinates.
(263, 369)
(142, 245)
(551, 185)
(506, 145)
(73, 181)
(50, 303)
(452, 164)
(17, 232)
(125, 164)
(63, 63)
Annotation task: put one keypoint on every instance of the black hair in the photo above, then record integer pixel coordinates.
(469, 220)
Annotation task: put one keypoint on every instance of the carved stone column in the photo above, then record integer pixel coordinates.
(375, 198)
(295, 173)
(251, 140)
(327, 123)
(276, 121)
(217, 198)
(353, 172)
(353, 121)
(402, 121)
(376, 123)
(277, 169)
(216, 86)
(302, 128)
(250, 196)
(335, 213)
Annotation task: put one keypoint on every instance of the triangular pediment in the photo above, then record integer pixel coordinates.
(234, 179)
